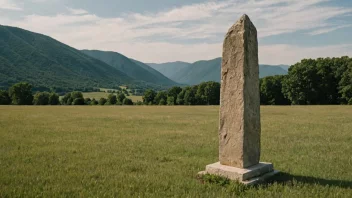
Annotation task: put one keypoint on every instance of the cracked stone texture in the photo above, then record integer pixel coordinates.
(239, 130)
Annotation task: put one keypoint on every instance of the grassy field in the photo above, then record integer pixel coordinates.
(105, 151)
(98, 95)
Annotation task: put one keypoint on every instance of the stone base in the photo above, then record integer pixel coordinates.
(249, 176)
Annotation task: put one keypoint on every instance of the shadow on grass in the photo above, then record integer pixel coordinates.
(286, 178)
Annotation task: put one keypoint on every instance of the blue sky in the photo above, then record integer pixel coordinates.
(189, 30)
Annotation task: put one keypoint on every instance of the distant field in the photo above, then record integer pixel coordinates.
(98, 95)
(140, 151)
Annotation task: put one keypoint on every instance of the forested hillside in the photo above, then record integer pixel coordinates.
(169, 69)
(47, 63)
(132, 68)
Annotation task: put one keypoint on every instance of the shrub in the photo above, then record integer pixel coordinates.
(121, 97)
(65, 99)
(41, 98)
(76, 94)
(139, 103)
(54, 99)
(87, 101)
(94, 102)
(70, 98)
(127, 101)
(102, 101)
(112, 99)
(78, 101)
(4, 98)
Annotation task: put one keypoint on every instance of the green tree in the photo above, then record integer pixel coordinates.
(4, 98)
(66, 100)
(94, 102)
(102, 101)
(170, 100)
(70, 101)
(315, 81)
(70, 98)
(271, 91)
(162, 102)
(21, 94)
(200, 94)
(127, 101)
(112, 99)
(212, 93)
(41, 98)
(78, 101)
(190, 96)
(76, 94)
(181, 97)
(345, 85)
(120, 97)
(161, 95)
(54, 99)
(87, 101)
(173, 93)
(148, 97)
(301, 85)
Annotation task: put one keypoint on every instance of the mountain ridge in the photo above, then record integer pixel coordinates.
(132, 68)
(208, 70)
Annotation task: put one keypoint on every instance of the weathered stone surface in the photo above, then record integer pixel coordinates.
(239, 174)
(249, 176)
(239, 130)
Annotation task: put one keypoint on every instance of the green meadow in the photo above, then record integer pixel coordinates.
(152, 151)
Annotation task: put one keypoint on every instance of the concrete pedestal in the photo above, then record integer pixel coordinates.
(249, 176)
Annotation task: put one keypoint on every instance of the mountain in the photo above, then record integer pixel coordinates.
(209, 70)
(169, 69)
(132, 68)
(200, 71)
(285, 67)
(47, 63)
(270, 70)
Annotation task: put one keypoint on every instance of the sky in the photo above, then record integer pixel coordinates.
(157, 31)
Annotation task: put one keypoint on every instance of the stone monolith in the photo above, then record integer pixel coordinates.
(240, 130)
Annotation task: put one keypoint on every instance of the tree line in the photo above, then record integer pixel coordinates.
(21, 94)
(207, 93)
(322, 81)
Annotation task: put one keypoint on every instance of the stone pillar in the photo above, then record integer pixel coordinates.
(239, 130)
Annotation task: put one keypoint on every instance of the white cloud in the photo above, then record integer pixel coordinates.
(9, 5)
(77, 11)
(326, 30)
(290, 54)
(151, 37)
